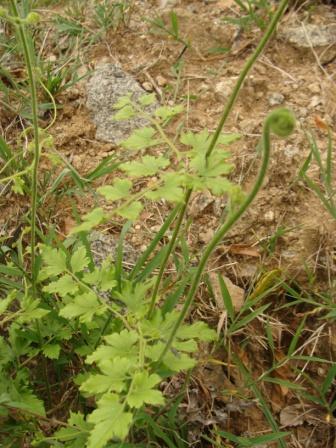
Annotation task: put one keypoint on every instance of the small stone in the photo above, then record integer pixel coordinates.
(314, 88)
(315, 101)
(224, 88)
(161, 81)
(137, 227)
(147, 86)
(275, 99)
(269, 216)
(206, 237)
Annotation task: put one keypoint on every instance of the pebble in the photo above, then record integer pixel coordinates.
(161, 81)
(269, 216)
(147, 86)
(314, 88)
(275, 99)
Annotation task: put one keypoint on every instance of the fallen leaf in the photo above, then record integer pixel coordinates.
(237, 294)
(240, 249)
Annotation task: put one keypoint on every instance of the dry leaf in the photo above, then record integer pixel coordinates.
(292, 415)
(240, 249)
(237, 294)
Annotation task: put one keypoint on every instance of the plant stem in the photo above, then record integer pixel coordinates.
(170, 248)
(29, 60)
(248, 65)
(282, 123)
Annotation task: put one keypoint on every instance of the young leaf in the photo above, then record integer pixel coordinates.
(90, 220)
(79, 260)
(141, 139)
(74, 435)
(167, 112)
(131, 211)
(172, 190)
(120, 345)
(148, 166)
(119, 190)
(147, 100)
(197, 330)
(110, 420)
(115, 372)
(125, 113)
(63, 286)
(84, 306)
(122, 102)
(55, 261)
(142, 390)
(51, 351)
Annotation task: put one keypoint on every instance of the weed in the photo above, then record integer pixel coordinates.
(251, 12)
(113, 334)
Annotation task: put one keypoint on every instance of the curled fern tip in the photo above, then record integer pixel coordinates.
(281, 122)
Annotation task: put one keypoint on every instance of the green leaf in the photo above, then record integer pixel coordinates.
(133, 295)
(114, 375)
(120, 345)
(4, 303)
(141, 139)
(84, 306)
(76, 433)
(130, 211)
(148, 166)
(104, 278)
(63, 286)
(30, 310)
(218, 185)
(119, 190)
(51, 351)
(125, 113)
(27, 401)
(147, 100)
(142, 390)
(110, 420)
(122, 102)
(79, 260)
(198, 330)
(90, 220)
(167, 112)
(55, 261)
(175, 362)
(172, 190)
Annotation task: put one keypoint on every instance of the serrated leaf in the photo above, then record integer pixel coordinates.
(133, 295)
(110, 420)
(79, 260)
(104, 278)
(51, 351)
(171, 191)
(113, 379)
(148, 166)
(218, 185)
(76, 433)
(130, 211)
(63, 286)
(30, 310)
(167, 112)
(147, 100)
(175, 362)
(125, 113)
(120, 345)
(84, 306)
(90, 220)
(29, 402)
(198, 330)
(119, 190)
(141, 139)
(122, 102)
(4, 303)
(55, 261)
(142, 390)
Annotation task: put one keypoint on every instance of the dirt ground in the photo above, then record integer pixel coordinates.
(286, 228)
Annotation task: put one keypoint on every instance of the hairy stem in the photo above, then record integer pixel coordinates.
(281, 122)
(29, 61)
(170, 249)
(248, 65)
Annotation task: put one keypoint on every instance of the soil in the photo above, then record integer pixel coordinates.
(287, 228)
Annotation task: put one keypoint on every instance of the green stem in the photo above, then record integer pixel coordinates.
(281, 122)
(170, 249)
(248, 65)
(34, 104)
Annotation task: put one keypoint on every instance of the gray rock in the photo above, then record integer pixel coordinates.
(311, 35)
(321, 37)
(107, 85)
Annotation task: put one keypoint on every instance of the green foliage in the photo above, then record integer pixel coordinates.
(252, 12)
